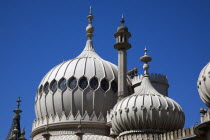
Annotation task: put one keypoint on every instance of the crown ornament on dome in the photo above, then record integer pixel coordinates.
(146, 59)
(90, 28)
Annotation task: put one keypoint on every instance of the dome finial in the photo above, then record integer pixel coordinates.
(146, 59)
(122, 20)
(90, 28)
(18, 102)
(17, 110)
(145, 50)
(90, 10)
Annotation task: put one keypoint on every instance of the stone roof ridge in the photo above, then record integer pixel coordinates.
(172, 135)
(178, 134)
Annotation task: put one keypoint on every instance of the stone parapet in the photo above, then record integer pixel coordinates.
(159, 82)
(56, 136)
(173, 135)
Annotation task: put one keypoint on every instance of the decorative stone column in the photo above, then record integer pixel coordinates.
(122, 45)
(79, 132)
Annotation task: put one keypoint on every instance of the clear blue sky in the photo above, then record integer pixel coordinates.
(36, 35)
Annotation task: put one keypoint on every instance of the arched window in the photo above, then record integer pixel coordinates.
(83, 83)
(62, 84)
(94, 83)
(114, 86)
(104, 84)
(46, 88)
(72, 82)
(53, 86)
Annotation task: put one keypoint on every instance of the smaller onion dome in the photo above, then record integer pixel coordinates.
(122, 28)
(204, 84)
(147, 111)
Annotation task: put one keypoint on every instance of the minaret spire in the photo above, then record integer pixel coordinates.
(15, 132)
(17, 110)
(122, 45)
(90, 28)
(18, 102)
(146, 59)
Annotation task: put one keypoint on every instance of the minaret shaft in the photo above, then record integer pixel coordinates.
(122, 70)
(122, 45)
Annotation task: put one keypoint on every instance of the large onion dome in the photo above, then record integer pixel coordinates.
(146, 111)
(86, 83)
(83, 88)
(204, 84)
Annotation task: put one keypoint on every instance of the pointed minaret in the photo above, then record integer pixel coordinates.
(15, 131)
(122, 45)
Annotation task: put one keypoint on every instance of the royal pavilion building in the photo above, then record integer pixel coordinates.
(89, 98)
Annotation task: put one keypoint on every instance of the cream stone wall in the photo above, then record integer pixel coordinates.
(74, 137)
